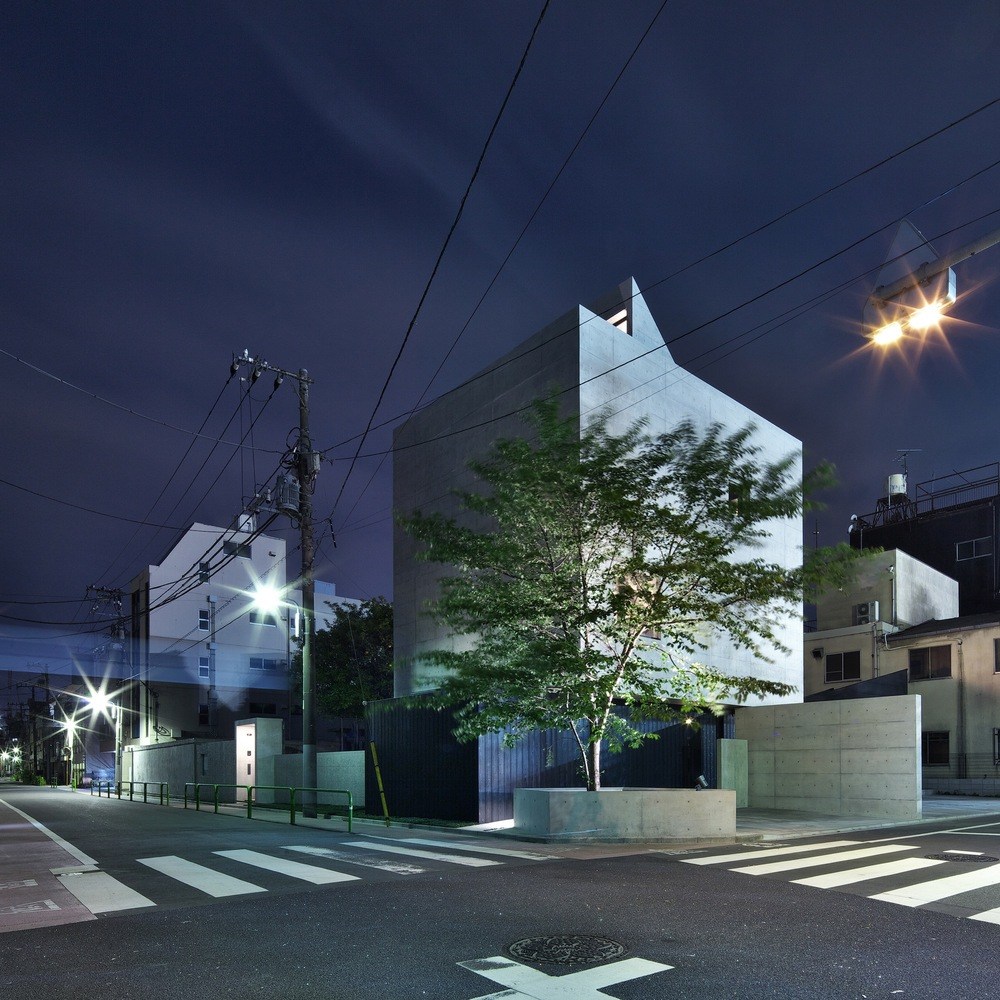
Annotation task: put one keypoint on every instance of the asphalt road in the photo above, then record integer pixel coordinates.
(709, 929)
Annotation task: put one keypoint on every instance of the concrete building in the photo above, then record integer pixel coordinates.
(892, 591)
(201, 655)
(611, 356)
(952, 523)
(898, 631)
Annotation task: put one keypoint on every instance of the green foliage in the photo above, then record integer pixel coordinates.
(594, 569)
(353, 657)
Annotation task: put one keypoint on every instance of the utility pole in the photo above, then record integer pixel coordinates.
(306, 468)
(114, 598)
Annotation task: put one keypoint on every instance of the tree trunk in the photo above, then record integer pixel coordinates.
(594, 760)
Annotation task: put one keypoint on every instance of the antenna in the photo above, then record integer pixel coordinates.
(902, 453)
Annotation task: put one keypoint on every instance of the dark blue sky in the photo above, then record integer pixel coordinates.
(182, 181)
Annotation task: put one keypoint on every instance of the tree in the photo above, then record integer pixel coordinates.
(353, 657)
(592, 569)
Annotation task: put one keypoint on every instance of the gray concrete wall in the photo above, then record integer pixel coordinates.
(849, 758)
(210, 761)
(628, 371)
(734, 769)
(624, 814)
(214, 762)
(908, 592)
(341, 770)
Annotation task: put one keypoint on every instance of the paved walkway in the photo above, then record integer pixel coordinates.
(33, 865)
(785, 824)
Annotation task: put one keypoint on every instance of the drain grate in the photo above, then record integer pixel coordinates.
(966, 859)
(567, 949)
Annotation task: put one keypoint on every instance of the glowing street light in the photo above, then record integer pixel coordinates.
(269, 600)
(917, 299)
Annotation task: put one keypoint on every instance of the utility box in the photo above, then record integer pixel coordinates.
(256, 739)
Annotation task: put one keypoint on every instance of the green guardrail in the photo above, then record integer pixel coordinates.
(251, 790)
(109, 786)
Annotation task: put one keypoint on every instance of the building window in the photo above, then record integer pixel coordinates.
(204, 619)
(934, 749)
(242, 549)
(930, 662)
(263, 708)
(975, 548)
(262, 618)
(203, 665)
(203, 715)
(620, 320)
(262, 663)
(843, 666)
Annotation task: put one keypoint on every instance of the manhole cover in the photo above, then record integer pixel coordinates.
(567, 949)
(968, 859)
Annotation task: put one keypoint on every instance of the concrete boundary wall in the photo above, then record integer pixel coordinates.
(214, 762)
(848, 758)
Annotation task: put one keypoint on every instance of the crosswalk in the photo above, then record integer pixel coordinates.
(911, 878)
(346, 862)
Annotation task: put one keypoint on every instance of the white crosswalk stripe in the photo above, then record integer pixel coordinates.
(852, 876)
(294, 869)
(450, 859)
(493, 851)
(942, 888)
(381, 864)
(774, 852)
(199, 877)
(795, 864)
(929, 890)
(106, 894)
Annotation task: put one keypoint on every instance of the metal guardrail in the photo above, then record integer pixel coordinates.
(109, 786)
(252, 789)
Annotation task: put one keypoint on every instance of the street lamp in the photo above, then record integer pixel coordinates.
(920, 296)
(102, 703)
(70, 726)
(269, 600)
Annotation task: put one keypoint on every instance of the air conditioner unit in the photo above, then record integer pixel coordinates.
(866, 614)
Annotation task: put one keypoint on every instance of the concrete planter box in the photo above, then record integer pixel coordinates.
(625, 814)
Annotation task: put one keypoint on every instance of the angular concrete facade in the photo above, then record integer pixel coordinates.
(611, 355)
(844, 758)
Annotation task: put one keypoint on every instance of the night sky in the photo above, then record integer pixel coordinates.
(184, 181)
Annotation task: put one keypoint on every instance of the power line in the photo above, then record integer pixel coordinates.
(117, 406)
(719, 250)
(441, 252)
(659, 347)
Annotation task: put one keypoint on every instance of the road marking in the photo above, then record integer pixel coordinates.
(40, 905)
(199, 877)
(792, 864)
(852, 875)
(294, 869)
(989, 916)
(382, 864)
(103, 893)
(719, 859)
(523, 981)
(975, 854)
(942, 888)
(84, 859)
(23, 884)
(500, 851)
(428, 855)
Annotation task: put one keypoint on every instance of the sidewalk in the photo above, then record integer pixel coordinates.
(787, 824)
(33, 866)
